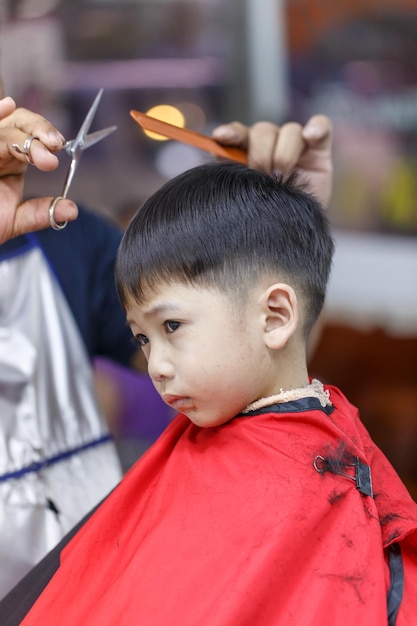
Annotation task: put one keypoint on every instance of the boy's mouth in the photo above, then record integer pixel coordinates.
(179, 403)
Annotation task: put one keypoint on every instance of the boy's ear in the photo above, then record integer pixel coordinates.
(280, 306)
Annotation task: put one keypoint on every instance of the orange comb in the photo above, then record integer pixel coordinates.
(188, 136)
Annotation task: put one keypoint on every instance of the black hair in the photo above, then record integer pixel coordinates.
(225, 225)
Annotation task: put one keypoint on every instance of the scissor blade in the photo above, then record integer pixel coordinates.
(93, 138)
(90, 139)
(81, 136)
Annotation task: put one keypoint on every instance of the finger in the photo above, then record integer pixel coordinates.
(30, 123)
(41, 157)
(38, 154)
(289, 147)
(7, 106)
(318, 132)
(233, 134)
(33, 214)
(263, 137)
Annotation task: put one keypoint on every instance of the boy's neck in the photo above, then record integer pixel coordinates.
(314, 389)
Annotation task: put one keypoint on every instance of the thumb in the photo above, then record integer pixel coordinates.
(318, 132)
(33, 215)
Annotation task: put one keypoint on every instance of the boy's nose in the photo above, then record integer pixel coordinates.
(159, 366)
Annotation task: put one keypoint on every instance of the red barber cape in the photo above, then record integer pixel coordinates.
(264, 521)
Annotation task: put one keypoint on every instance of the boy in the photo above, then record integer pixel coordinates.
(265, 501)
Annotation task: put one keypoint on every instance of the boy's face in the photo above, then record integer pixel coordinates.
(205, 359)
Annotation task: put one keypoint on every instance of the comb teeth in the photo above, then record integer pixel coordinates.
(184, 135)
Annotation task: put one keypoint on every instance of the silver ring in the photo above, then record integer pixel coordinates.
(26, 148)
(52, 221)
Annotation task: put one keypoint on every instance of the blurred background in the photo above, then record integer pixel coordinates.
(213, 61)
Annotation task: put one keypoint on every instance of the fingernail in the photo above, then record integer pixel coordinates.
(56, 139)
(224, 132)
(314, 131)
(71, 209)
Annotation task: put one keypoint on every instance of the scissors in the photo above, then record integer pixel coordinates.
(74, 148)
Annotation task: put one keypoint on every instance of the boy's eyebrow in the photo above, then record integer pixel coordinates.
(161, 307)
(158, 309)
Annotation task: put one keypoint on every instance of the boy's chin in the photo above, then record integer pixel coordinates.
(208, 420)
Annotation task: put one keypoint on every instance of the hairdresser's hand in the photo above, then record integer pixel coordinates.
(285, 148)
(18, 217)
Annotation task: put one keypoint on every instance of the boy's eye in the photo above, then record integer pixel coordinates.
(171, 326)
(142, 340)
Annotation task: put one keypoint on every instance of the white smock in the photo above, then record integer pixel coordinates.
(57, 460)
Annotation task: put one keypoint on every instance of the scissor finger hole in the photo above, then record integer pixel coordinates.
(25, 150)
(54, 224)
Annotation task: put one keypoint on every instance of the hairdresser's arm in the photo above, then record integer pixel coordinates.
(287, 147)
(18, 217)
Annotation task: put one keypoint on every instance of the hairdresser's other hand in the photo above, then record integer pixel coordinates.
(18, 217)
(285, 148)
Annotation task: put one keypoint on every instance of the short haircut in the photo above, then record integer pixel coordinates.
(225, 226)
